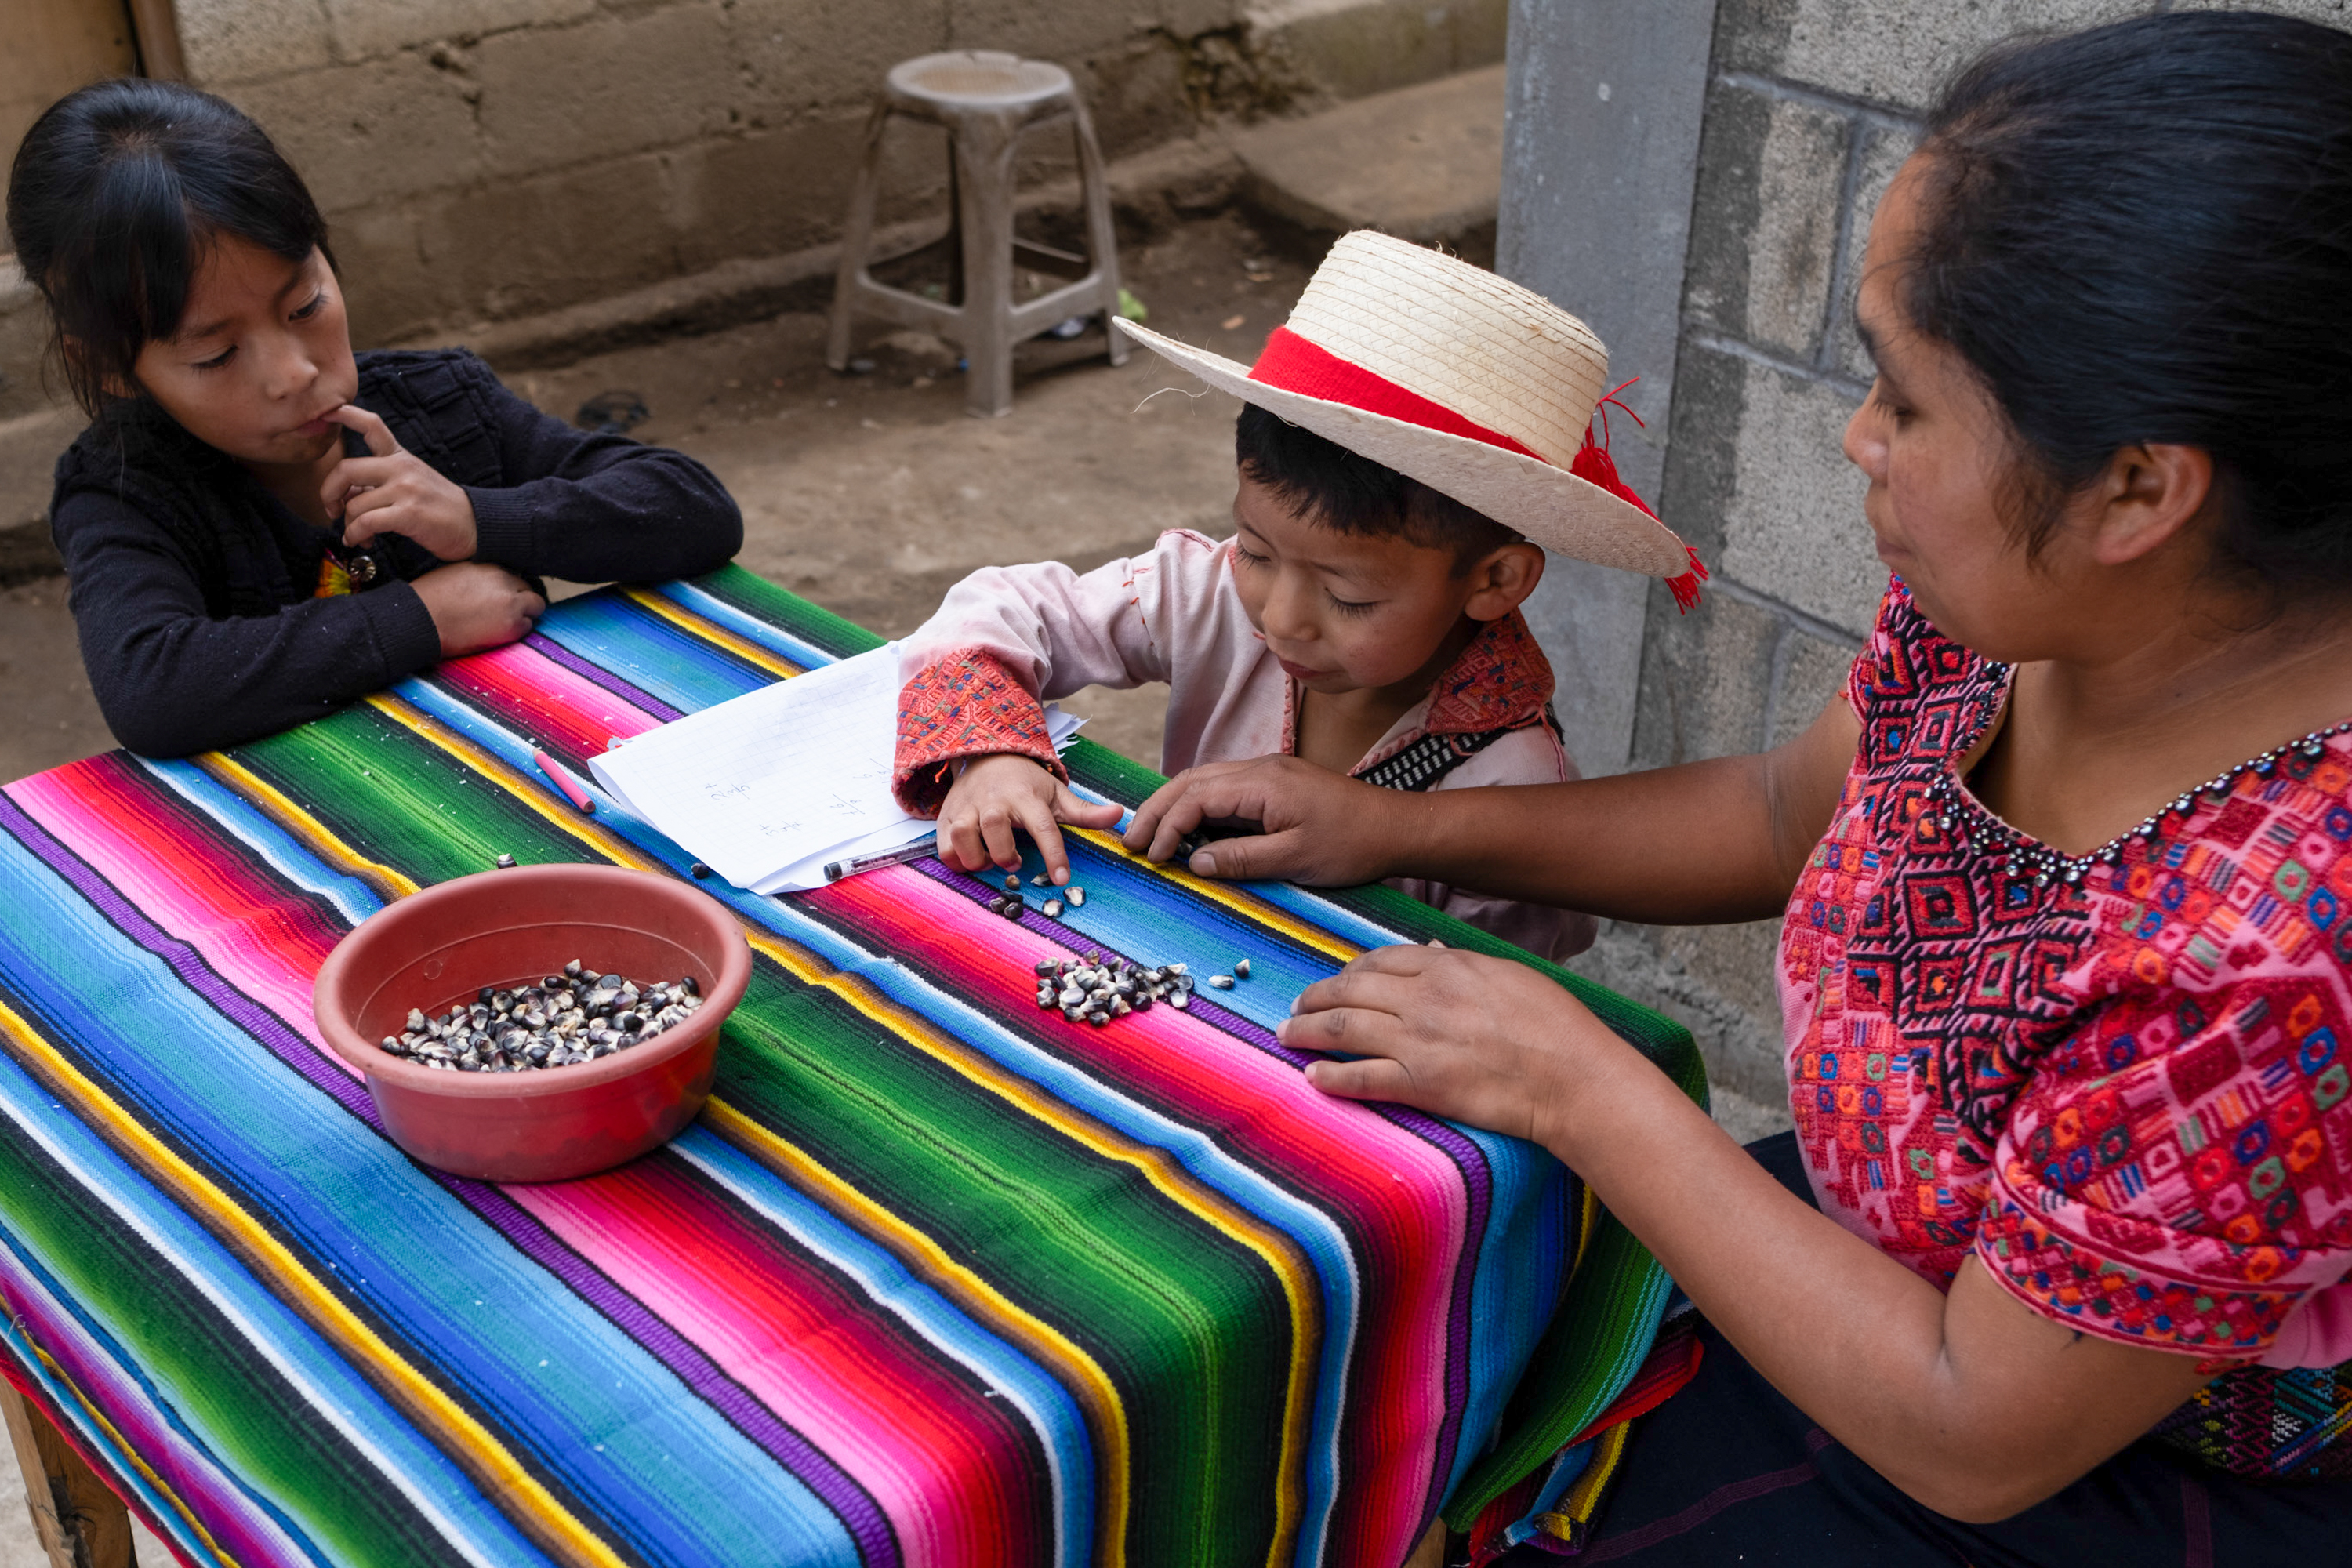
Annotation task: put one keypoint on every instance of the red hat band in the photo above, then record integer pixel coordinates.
(1293, 363)
(1290, 363)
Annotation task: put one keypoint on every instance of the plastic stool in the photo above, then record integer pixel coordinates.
(986, 102)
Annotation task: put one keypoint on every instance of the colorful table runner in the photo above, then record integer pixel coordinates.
(938, 1279)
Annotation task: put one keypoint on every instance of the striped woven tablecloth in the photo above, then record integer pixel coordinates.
(937, 1279)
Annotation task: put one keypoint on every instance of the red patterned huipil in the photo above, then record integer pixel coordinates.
(2125, 1093)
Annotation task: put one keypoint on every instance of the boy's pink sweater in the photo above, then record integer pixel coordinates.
(1007, 638)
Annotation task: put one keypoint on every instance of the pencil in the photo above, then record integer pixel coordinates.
(563, 781)
(835, 871)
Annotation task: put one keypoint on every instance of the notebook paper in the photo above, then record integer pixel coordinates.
(766, 787)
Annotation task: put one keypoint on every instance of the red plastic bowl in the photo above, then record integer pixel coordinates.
(504, 929)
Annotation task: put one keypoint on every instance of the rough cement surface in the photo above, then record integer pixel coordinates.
(1764, 227)
(1351, 49)
(1424, 163)
(1792, 523)
(1741, 1047)
(1892, 54)
(1883, 153)
(486, 159)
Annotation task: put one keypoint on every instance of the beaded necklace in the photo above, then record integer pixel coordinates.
(2027, 856)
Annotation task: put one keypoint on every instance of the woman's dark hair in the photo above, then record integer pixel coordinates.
(117, 192)
(2142, 233)
(1350, 493)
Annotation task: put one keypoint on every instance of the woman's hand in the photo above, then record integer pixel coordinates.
(475, 606)
(1316, 825)
(394, 491)
(996, 794)
(1970, 1401)
(1459, 1035)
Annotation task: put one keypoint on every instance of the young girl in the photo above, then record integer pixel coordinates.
(259, 525)
(2057, 1265)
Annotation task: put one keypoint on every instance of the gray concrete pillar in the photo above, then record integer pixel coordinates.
(1600, 157)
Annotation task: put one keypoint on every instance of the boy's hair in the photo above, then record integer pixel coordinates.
(118, 191)
(1349, 493)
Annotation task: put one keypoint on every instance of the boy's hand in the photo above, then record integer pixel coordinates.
(394, 491)
(476, 606)
(998, 794)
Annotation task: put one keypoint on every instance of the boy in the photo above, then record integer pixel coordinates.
(1412, 437)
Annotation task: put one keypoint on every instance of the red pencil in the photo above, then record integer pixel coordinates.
(563, 781)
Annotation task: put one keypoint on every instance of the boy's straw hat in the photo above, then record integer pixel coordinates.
(1471, 384)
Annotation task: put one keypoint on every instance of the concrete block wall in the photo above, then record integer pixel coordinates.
(543, 178)
(481, 160)
(486, 160)
(1809, 106)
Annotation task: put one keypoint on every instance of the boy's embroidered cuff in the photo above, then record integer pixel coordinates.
(963, 704)
(502, 528)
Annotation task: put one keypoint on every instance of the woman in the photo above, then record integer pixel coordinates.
(2067, 988)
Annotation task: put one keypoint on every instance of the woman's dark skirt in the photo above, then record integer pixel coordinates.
(1729, 1472)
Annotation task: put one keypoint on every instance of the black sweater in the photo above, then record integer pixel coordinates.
(191, 585)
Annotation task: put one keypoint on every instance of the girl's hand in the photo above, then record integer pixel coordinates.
(1459, 1035)
(394, 491)
(996, 794)
(476, 606)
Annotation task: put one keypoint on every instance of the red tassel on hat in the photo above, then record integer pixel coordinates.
(1684, 588)
(1594, 466)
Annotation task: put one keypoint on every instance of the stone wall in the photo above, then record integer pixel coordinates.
(483, 160)
(1809, 106)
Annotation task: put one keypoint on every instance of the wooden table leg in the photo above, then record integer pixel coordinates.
(81, 1522)
(1431, 1553)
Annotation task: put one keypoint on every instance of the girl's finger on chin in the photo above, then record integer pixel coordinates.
(378, 435)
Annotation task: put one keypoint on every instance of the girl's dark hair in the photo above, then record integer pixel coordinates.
(117, 192)
(1350, 493)
(2141, 233)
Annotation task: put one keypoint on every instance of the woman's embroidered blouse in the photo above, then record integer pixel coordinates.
(2130, 1095)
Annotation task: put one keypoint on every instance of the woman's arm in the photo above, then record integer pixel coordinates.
(1712, 841)
(1971, 1402)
